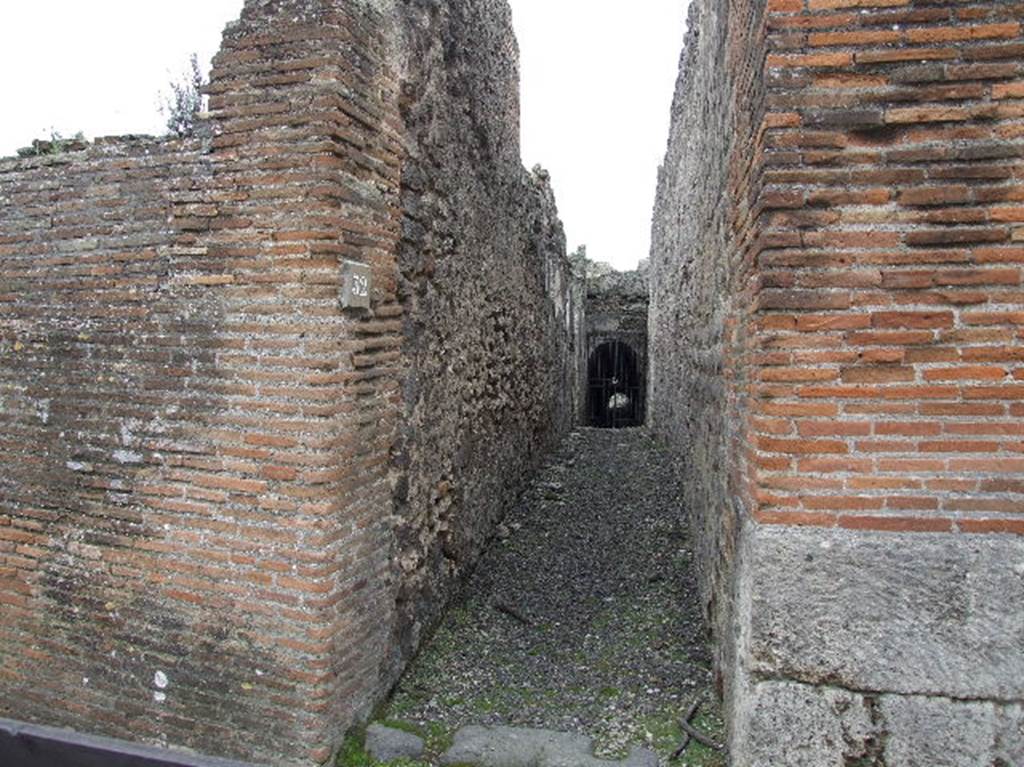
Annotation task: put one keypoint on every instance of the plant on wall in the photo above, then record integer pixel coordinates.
(185, 101)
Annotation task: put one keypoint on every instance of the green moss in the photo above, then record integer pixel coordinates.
(438, 738)
(404, 726)
(353, 750)
(665, 731)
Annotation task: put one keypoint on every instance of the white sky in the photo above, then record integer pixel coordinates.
(597, 80)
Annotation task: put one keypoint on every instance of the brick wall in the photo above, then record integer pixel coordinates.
(198, 463)
(849, 352)
(892, 196)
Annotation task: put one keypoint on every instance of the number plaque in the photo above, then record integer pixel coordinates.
(357, 282)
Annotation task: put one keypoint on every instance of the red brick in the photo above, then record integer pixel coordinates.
(800, 408)
(879, 408)
(962, 33)
(831, 465)
(956, 236)
(985, 505)
(912, 319)
(800, 484)
(988, 526)
(896, 524)
(804, 299)
(1008, 90)
(882, 483)
(933, 354)
(1012, 391)
(884, 446)
(977, 373)
(798, 374)
(993, 318)
(988, 465)
(1014, 213)
(801, 446)
(911, 465)
(883, 338)
(1002, 486)
(861, 37)
(843, 502)
(819, 322)
(818, 60)
(825, 5)
(891, 55)
(877, 374)
(952, 485)
(958, 446)
(280, 473)
(909, 428)
(985, 427)
(912, 503)
(936, 195)
(833, 428)
(885, 356)
(794, 518)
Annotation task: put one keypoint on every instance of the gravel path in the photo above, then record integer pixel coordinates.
(583, 615)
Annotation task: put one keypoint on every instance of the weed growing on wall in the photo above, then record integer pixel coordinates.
(186, 100)
(57, 144)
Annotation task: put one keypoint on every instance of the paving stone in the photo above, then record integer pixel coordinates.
(385, 744)
(527, 747)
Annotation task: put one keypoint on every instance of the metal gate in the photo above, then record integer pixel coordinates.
(615, 390)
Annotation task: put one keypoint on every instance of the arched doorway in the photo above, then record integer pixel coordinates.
(615, 391)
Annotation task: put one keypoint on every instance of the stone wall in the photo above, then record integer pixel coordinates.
(228, 506)
(836, 357)
(702, 281)
(486, 289)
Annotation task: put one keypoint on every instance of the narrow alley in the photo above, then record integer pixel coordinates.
(583, 615)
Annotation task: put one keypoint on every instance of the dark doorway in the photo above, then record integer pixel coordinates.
(615, 390)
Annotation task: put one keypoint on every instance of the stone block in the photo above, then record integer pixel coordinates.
(1009, 746)
(385, 744)
(937, 732)
(910, 613)
(782, 723)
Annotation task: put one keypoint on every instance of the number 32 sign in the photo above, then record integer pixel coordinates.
(356, 284)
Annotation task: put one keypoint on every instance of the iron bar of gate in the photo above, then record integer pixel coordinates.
(615, 389)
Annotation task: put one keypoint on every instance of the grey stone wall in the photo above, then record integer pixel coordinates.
(899, 649)
(697, 310)
(488, 377)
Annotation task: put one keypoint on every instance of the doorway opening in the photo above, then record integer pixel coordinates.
(615, 389)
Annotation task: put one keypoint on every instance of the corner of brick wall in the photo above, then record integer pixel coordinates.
(195, 435)
(201, 524)
(871, 416)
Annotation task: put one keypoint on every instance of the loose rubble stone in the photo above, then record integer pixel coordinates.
(584, 618)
